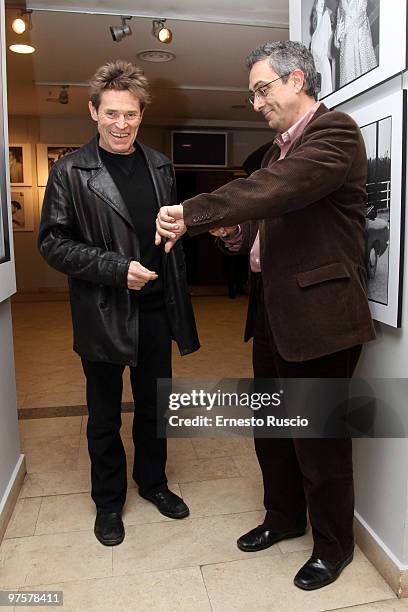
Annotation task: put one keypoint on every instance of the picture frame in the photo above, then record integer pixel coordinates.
(22, 209)
(47, 154)
(20, 165)
(41, 194)
(383, 123)
(351, 59)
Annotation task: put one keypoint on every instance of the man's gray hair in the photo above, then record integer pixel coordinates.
(285, 57)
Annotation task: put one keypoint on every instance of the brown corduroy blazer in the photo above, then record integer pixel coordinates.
(310, 212)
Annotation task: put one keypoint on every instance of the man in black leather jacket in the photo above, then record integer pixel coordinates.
(128, 298)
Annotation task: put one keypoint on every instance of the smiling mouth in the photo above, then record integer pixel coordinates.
(120, 135)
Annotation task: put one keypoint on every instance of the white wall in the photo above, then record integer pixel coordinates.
(381, 465)
(9, 436)
(32, 271)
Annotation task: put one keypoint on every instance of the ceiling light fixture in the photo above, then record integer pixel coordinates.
(118, 33)
(22, 23)
(25, 49)
(160, 31)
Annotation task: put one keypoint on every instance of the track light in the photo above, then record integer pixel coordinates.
(22, 23)
(160, 31)
(119, 32)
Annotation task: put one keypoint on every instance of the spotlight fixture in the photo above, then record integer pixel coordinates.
(118, 33)
(22, 23)
(160, 31)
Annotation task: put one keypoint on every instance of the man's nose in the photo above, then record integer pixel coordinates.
(259, 103)
(121, 121)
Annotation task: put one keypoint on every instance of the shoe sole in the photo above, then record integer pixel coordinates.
(284, 537)
(168, 514)
(320, 586)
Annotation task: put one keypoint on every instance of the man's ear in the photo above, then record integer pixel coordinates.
(93, 111)
(298, 79)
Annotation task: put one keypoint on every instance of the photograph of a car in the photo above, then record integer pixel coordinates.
(378, 235)
(377, 138)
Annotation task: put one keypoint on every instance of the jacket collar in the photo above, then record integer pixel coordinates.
(101, 182)
(274, 152)
(88, 156)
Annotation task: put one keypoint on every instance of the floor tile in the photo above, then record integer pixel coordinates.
(67, 513)
(248, 466)
(268, 581)
(222, 447)
(180, 590)
(184, 543)
(297, 544)
(226, 496)
(57, 454)
(180, 470)
(53, 558)
(56, 483)
(43, 428)
(391, 605)
(24, 518)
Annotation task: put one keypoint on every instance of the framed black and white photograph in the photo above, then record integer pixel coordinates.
(383, 126)
(22, 212)
(356, 44)
(47, 155)
(20, 165)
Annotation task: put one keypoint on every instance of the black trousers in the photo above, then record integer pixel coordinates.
(104, 387)
(306, 474)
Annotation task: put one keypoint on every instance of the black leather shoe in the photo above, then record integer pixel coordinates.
(167, 502)
(109, 528)
(261, 537)
(317, 573)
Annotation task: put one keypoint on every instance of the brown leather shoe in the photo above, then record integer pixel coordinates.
(262, 537)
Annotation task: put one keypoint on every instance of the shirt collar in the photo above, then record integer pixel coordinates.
(286, 138)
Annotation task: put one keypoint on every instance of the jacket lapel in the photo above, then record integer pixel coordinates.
(104, 186)
(161, 180)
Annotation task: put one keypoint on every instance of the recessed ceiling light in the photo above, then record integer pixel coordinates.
(22, 48)
(154, 55)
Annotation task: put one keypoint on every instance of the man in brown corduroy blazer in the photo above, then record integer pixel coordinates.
(302, 219)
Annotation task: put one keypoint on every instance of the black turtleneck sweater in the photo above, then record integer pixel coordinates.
(132, 178)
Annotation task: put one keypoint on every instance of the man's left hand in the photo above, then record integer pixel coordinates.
(170, 225)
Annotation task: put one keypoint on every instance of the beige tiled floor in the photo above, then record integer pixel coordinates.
(163, 565)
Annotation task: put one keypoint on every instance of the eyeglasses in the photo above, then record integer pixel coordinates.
(262, 91)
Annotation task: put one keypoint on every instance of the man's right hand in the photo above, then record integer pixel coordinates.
(138, 276)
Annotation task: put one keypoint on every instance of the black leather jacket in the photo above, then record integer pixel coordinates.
(87, 233)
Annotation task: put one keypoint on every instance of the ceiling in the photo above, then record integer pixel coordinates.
(205, 80)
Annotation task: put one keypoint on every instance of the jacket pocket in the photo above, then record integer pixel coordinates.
(320, 275)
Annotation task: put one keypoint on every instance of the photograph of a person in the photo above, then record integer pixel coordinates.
(55, 153)
(47, 155)
(16, 164)
(343, 36)
(17, 210)
(22, 210)
(377, 138)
